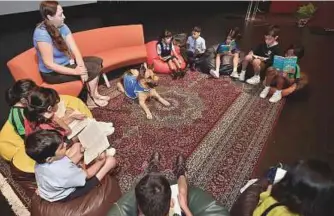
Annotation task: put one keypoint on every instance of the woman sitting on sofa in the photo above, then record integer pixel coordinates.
(59, 59)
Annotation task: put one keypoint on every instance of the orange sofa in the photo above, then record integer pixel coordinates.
(118, 46)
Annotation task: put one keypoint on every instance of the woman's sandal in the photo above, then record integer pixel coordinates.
(92, 102)
(104, 97)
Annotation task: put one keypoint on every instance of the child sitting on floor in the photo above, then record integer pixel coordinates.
(167, 53)
(195, 47)
(276, 81)
(223, 58)
(262, 56)
(57, 177)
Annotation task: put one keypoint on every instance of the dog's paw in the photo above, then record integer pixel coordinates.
(149, 116)
(166, 103)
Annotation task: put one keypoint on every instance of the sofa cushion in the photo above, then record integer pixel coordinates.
(109, 38)
(121, 57)
(200, 204)
(152, 58)
(97, 202)
(68, 88)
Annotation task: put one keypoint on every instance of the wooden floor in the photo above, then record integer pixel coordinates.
(305, 126)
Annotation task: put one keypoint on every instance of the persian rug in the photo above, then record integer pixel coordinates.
(220, 125)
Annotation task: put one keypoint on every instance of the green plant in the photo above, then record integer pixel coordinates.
(306, 11)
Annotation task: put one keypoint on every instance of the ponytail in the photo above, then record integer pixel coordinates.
(50, 8)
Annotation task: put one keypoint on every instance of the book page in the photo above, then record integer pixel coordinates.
(94, 141)
(280, 173)
(260, 57)
(176, 209)
(77, 126)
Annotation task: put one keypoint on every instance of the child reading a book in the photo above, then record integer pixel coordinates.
(16, 97)
(227, 50)
(195, 47)
(306, 189)
(40, 112)
(262, 56)
(166, 53)
(155, 196)
(276, 81)
(57, 177)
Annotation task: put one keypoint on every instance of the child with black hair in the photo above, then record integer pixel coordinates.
(262, 56)
(232, 38)
(40, 112)
(277, 81)
(57, 177)
(153, 192)
(307, 189)
(16, 97)
(41, 109)
(195, 47)
(167, 53)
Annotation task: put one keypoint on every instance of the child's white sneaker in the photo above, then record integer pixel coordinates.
(111, 152)
(214, 73)
(277, 96)
(254, 80)
(242, 76)
(265, 92)
(235, 74)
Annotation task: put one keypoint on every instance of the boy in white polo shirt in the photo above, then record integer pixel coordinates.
(195, 47)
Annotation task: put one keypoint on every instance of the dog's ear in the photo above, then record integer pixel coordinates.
(151, 66)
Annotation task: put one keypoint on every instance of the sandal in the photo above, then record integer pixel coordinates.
(104, 97)
(95, 102)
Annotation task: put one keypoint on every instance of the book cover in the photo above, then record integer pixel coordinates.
(289, 63)
(284, 64)
(224, 48)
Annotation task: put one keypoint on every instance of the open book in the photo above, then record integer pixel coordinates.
(224, 48)
(94, 141)
(176, 210)
(279, 175)
(285, 64)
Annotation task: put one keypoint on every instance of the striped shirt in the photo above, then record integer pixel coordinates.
(16, 118)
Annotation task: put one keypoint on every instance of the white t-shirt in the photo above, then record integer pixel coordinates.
(198, 44)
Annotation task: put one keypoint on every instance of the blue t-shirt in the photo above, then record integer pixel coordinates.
(42, 35)
(132, 86)
(58, 179)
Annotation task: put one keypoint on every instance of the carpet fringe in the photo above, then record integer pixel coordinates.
(13, 200)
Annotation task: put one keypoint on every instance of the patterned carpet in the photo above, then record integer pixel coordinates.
(220, 125)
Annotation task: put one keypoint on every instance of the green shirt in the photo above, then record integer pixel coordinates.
(295, 75)
(16, 118)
